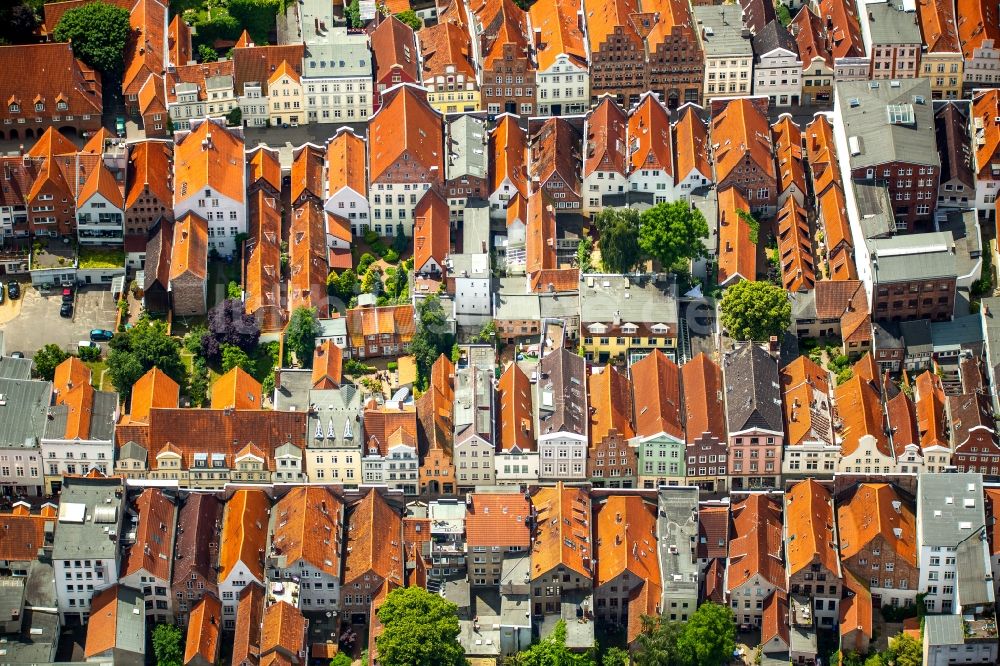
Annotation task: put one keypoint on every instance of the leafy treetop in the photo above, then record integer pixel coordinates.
(419, 629)
(755, 310)
(98, 33)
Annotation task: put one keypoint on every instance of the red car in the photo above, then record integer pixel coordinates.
(67, 295)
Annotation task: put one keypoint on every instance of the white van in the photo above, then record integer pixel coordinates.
(87, 343)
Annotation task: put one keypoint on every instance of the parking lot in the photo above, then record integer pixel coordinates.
(39, 323)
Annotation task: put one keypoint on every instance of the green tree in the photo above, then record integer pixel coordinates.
(235, 119)
(615, 656)
(353, 12)
(784, 15)
(619, 230)
(234, 357)
(709, 636)
(98, 33)
(410, 18)
(197, 388)
(400, 241)
(657, 643)
(755, 310)
(419, 629)
(17, 22)
(341, 659)
(168, 645)
(207, 54)
(141, 348)
(233, 290)
(584, 253)
(432, 337)
(257, 16)
(904, 650)
(371, 282)
(343, 286)
(300, 336)
(46, 359)
(673, 232)
(552, 651)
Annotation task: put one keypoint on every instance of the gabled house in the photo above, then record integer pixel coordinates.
(692, 169)
(516, 460)
(706, 439)
(306, 527)
(651, 150)
(562, 71)
(374, 558)
(605, 163)
(149, 562)
(795, 253)
(860, 424)
(657, 412)
(844, 41)
(561, 416)
(979, 34)
(389, 454)
(737, 258)
(810, 446)
(435, 430)
(379, 330)
(148, 195)
(283, 635)
(756, 566)
(394, 50)
(941, 60)
(210, 182)
(504, 50)
(249, 619)
(878, 542)
(742, 150)
(931, 415)
(507, 170)
(262, 292)
(986, 135)
(811, 555)
(405, 157)
(189, 249)
(308, 259)
(777, 70)
(347, 180)
(448, 62)
(554, 151)
(431, 235)
(814, 53)
(753, 411)
(204, 632)
(625, 529)
(241, 554)
(473, 422)
(116, 630)
(958, 179)
(973, 434)
(611, 461)
(562, 551)
(195, 552)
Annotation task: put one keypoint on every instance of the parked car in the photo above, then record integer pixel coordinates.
(84, 344)
(17, 354)
(14, 289)
(67, 295)
(101, 335)
(2, 292)
(66, 310)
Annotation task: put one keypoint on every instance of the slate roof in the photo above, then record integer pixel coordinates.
(771, 37)
(753, 394)
(562, 393)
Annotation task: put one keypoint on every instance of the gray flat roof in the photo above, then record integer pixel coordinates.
(37, 641)
(516, 306)
(944, 630)
(677, 533)
(950, 507)
(83, 537)
(24, 414)
(726, 25)
(914, 257)
(102, 420)
(958, 331)
(875, 209)
(466, 149)
(15, 368)
(606, 298)
(888, 25)
(910, 137)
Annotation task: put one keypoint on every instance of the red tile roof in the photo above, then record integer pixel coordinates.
(263, 165)
(649, 136)
(625, 533)
(860, 410)
(555, 153)
(870, 512)
(978, 20)
(757, 544)
(737, 251)
(258, 64)
(346, 162)
(236, 390)
(703, 401)
(508, 142)
(798, 272)
(807, 409)
(328, 369)
(244, 533)
(374, 541)
(446, 50)
(406, 124)
(810, 532)
(431, 231)
(656, 396)
(931, 402)
(282, 634)
(610, 395)
(394, 48)
(775, 619)
(218, 164)
(307, 172)
(740, 131)
(153, 549)
(560, 33)
(788, 155)
(606, 148)
(24, 532)
(46, 74)
(540, 233)
(397, 320)
(810, 36)
(498, 519)
(937, 26)
(102, 625)
(203, 631)
(249, 616)
(550, 280)
(856, 612)
(150, 164)
(713, 532)
(562, 535)
(844, 37)
(515, 410)
(307, 529)
(690, 146)
(986, 108)
(308, 260)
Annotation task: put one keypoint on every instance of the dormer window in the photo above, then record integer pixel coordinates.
(62, 106)
(14, 108)
(39, 106)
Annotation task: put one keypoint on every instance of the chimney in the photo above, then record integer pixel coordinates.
(538, 38)
(772, 344)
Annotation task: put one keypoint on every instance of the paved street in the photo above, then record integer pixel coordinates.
(39, 322)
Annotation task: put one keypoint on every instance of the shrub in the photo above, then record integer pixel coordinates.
(392, 366)
(391, 256)
(370, 236)
(90, 354)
